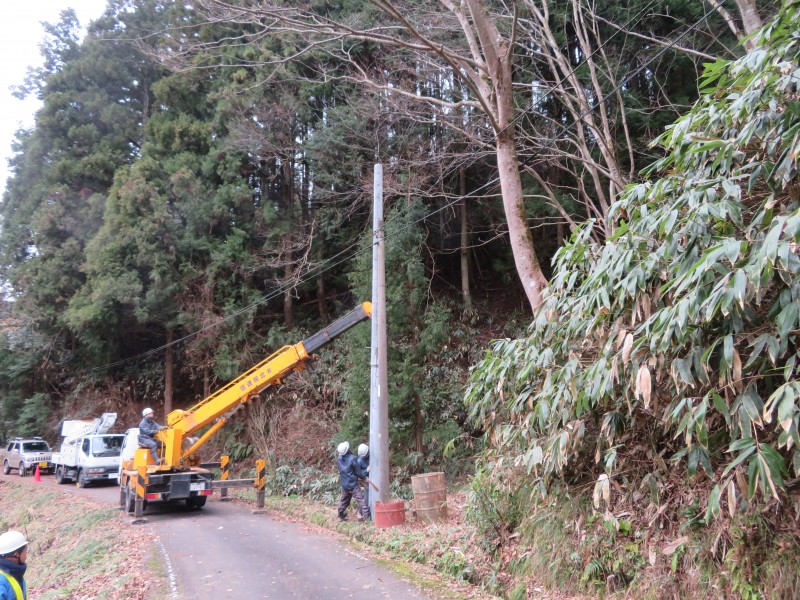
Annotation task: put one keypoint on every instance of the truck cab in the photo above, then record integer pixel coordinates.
(89, 459)
(88, 453)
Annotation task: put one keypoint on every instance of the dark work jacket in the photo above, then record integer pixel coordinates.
(148, 427)
(15, 570)
(349, 471)
(363, 462)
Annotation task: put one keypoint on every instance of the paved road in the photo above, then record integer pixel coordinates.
(226, 551)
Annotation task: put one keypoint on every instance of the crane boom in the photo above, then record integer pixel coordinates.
(271, 371)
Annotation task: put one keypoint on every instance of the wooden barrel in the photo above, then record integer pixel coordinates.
(390, 513)
(430, 496)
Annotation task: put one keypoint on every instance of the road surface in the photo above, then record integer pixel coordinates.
(226, 551)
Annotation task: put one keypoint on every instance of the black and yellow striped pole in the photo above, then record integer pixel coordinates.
(224, 465)
(123, 490)
(261, 482)
(141, 487)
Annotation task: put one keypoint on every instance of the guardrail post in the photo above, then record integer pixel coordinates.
(224, 465)
(261, 482)
(141, 487)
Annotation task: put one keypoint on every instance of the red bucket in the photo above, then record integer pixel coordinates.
(390, 513)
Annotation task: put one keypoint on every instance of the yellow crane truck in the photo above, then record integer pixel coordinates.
(179, 474)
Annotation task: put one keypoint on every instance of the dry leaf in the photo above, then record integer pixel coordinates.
(660, 370)
(672, 546)
(731, 498)
(601, 490)
(741, 483)
(646, 307)
(737, 371)
(627, 347)
(643, 385)
(621, 337)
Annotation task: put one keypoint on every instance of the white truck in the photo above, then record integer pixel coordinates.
(88, 452)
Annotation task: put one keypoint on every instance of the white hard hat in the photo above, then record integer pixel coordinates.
(11, 541)
(147, 411)
(343, 448)
(363, 450)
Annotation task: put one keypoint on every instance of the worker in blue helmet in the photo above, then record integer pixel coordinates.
(363, 462)
(350, 476)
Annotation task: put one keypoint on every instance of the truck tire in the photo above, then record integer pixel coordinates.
(60, 480)
(22, 472)
(6, 468)
(82, 481)
(130, 501)
(196, 501)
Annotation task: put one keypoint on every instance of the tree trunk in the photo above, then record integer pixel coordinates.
(751, 21)
(145, 111)
(168, 367)
(288, 303)
(206, 383)
(525, 259)
(418, 422)
(287, 255)
(465, 293)
(322, 303)
(499, 101)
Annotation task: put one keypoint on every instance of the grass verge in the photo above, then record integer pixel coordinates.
(80, 549)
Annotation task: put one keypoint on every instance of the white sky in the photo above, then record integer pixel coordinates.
(20, 35)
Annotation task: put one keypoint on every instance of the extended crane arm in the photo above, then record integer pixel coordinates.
(271, 371)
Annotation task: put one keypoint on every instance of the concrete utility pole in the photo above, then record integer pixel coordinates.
(379, 378)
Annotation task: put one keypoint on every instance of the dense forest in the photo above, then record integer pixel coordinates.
(609, 189)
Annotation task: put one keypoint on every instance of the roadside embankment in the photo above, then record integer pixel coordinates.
(80, 548)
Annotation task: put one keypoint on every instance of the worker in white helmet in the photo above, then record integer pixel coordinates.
(13, 557)
(147, 431)
(350, 475)
(363, 462)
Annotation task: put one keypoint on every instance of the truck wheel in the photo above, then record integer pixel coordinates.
(6, 468)
(130, 501)
(196, 501)
(60, 475)
(82, 481)
(22, 472)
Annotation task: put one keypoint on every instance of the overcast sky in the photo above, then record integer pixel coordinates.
(20, 35)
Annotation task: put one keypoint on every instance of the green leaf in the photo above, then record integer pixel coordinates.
(752, 405)
(712, 509)
(743, 455)
(722, 408)
(740, 287)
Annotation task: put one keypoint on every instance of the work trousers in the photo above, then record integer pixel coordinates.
(152, 444)
(347, 496)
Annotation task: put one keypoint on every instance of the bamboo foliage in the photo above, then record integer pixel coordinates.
(682, 329)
